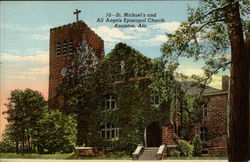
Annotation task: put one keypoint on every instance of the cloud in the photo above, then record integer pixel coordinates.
(136, 30)
(191, 71)
(42, 58)
(37, 71)
(37, 36)
(216, 82)
(226, 56)
(24, 28)
(14, 27)
(22, 77)
(158, 38)
(155, 41)
(167, 26)
(111, 35)
(45, 27)
(216, 79)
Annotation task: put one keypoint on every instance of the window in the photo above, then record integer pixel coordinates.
(122, 67)
(204, 112)
(203, 133)
(95, 60)
(71, 46)
(155, 99)
(109, 101)
(58, 48)
(109, 131)
(64, 47)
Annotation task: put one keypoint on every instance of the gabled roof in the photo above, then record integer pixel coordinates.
(194, 88)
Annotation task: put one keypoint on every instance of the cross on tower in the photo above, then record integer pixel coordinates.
(77, 13)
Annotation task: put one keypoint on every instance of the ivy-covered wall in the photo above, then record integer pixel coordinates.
(132, 85)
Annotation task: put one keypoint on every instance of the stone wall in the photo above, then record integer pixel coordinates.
(66, 33)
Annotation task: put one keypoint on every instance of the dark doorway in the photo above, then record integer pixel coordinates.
(154, 135)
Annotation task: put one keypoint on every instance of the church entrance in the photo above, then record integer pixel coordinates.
(153, 135)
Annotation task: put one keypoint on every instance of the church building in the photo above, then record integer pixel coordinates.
(120, 104)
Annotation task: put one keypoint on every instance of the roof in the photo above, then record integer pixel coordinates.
(216, 93)
(194, 88)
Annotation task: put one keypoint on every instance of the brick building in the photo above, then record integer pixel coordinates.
(64, 42)
(212, 128)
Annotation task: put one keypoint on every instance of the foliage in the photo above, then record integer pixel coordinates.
(24, 111)
(7, 146)
(37, 128)
(82, 64)
(210, 32)
(117, 155)
(204, 36)
(197, 145)
(175, 153)
(185, 148)
(57, 133)
(132, 90)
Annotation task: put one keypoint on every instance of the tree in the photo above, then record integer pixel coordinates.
(24, 110)
(211, 29)
(197, 146)
(32, 124)
(57, 133)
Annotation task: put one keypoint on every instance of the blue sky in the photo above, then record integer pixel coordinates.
(26, 24)
(25, 35)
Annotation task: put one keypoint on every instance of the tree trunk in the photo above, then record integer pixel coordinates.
(239, 96)
(29, 147)
(23, 140)
(247, 45)
(17, 147)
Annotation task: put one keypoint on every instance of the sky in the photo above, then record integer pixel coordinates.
(24, 37)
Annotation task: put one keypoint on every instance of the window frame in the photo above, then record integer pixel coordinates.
(110, 99)
(203, 133)
(153, 99)
(107, 130)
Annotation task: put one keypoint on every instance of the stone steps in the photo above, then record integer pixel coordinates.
(149, 153)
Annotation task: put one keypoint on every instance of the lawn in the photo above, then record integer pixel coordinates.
(109, 156)
(59, 156)
(36, 156)
(198, 158)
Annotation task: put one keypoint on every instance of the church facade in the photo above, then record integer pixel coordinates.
(121, 102)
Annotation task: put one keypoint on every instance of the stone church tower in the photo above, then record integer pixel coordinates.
(64, 42)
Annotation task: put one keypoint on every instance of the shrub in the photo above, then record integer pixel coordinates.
(7, 146)
(117, 155)
(175, 153)
(185, 148)
(197, 146)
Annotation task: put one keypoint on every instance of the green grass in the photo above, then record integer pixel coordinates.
(57, 156)
(36, 156)
(108, 156)
(198, 158)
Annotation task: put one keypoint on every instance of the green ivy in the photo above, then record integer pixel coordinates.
(134, 110)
